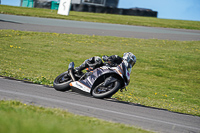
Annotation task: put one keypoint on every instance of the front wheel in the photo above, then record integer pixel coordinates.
(61, 83)
(101, 91)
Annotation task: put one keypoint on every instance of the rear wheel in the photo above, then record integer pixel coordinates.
(101, 91)
(61, 83)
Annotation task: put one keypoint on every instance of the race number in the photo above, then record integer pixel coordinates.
(64, 7)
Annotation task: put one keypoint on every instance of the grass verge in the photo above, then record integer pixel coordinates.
(22, 118)
(102, 18)
(166, 75)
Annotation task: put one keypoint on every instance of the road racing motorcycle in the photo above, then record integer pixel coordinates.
(102, 82)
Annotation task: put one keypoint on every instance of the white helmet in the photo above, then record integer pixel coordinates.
(130, 58)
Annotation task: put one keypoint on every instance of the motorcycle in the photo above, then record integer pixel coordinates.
(102, 82)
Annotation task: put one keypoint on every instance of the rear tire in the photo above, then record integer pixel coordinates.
(61, 83)
(106, 92)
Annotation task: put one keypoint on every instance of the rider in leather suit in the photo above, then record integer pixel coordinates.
(113, 61)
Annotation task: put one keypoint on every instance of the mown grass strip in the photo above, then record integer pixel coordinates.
(166, 74)
(22, 118)
(102, 18)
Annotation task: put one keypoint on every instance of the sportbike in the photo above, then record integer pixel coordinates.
(102, 82)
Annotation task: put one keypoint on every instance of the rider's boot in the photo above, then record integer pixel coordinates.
(81, 67)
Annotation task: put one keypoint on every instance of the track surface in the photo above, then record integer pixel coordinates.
(111, 110)
(89, 28)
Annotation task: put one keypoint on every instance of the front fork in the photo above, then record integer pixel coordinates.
(70, 70)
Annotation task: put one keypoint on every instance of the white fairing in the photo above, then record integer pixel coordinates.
(122, 70)
(119, 71)
(127, 72)
(81, 86)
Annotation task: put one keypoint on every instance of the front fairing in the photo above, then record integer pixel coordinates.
(86, 84)
(124, 72)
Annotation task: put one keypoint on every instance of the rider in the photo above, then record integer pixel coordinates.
(113, 61)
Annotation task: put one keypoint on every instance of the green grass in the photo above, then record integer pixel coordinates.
(166, 75)
(16, 117)
(102, 18)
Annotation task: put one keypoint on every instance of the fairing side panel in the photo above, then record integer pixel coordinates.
(87, 84)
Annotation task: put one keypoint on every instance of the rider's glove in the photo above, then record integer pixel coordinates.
(105, 58)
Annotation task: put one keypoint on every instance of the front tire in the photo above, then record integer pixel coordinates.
(101, 91)
(61, 83)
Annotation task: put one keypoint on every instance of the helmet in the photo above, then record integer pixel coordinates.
(130, 58)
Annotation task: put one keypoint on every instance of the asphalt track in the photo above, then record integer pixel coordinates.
(128, 113)
(111, 110)
(89, 28)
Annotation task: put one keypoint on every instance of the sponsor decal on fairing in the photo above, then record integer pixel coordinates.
(81, 86)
